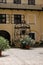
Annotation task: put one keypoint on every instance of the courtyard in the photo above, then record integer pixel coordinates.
(17, 56)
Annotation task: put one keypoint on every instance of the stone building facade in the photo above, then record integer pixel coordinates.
(24, 16)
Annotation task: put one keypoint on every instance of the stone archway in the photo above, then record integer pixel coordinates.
(5, 34)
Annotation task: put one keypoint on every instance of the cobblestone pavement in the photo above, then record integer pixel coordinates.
(18, 56)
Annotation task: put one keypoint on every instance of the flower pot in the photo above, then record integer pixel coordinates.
(27, 46)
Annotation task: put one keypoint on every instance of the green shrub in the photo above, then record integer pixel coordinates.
(27, 41)
(41, 43)
(36, 44)
(4, 43)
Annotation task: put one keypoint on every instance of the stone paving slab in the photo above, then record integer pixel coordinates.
(18, 56)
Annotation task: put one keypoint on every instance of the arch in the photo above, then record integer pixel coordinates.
(5, 34)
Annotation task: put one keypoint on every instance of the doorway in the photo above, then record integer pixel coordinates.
(32, 35)
(5, 34)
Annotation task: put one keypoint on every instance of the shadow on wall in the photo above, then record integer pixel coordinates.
(5, 34)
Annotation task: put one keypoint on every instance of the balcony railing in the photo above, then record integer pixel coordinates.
(20, 6)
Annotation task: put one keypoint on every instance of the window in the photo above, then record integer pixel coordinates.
(32, 35)
(2, 1)
(2, 18)
(31, 2)
(17, 1)
(17, 19)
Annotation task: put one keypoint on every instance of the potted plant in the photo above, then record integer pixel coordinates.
(4, 44)
(27, 42)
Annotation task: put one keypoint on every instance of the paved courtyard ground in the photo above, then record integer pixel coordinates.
(18, 56)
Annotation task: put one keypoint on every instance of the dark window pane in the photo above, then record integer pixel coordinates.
(2, 18)
(17, 1)
(22, 32)
(32, 35)
(31, 2)
(17, 19)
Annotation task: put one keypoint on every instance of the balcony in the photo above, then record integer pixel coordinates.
(20, 6)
